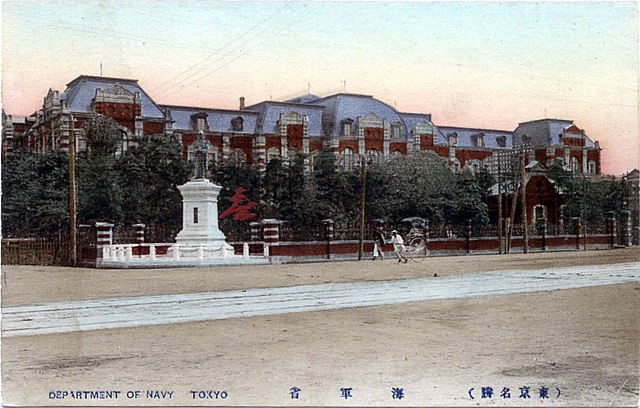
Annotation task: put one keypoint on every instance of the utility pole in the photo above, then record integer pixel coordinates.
(500, 238)
(523, 185)
(72, 194)
(513, 175)
(584, 211)
(363, 181)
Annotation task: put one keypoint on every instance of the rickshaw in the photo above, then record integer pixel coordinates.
(416, 249)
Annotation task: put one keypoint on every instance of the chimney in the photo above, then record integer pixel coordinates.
(242, 103)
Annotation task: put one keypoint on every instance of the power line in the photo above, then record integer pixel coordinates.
(228, 44)
(211, 71)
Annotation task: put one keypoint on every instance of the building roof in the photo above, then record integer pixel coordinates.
(218, 120)
(544, 132)
(303, 99)
(82, 90)
(465, 136)
(269, 114)
(410, 119)
(343, 106)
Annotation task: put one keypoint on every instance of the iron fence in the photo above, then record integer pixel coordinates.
(35, 251)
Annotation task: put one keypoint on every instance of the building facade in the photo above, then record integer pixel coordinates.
(350, 125)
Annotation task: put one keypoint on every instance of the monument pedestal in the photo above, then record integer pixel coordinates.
(200, 220)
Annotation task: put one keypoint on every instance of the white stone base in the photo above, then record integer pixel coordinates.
(200, 230)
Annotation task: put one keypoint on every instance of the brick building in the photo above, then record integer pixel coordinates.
(350, 125)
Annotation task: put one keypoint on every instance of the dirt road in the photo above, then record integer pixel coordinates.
(581, 343)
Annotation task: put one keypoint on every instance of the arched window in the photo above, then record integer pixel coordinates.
(575, 165)
(539, 213)
(347, 158)
(238, 158)
(273, 153)
(237, 124)
(127, 142)
(455, 165)
(373, 155)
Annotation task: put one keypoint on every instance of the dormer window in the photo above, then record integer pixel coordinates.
(395, 131)
(501, 141)
(347, 127)
(478, 140)
(199, 122)
(453, 139)
(237, 124)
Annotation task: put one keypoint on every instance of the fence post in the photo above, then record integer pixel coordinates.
(270, 234)
(611, 229)
(255, 231)
(468, 236)
(104, 236)
(544, 233)
(271, 230)
(328, 234)
(139, 230)
(626, 221)
(576, 231)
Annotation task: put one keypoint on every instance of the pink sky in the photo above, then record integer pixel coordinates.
(485, 65)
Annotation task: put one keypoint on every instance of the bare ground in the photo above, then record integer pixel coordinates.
(38, 284)
(583, 342)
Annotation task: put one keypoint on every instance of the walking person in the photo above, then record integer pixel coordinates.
(398, 246)
(378, 242)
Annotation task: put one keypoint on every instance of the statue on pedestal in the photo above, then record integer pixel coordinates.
(200, 149)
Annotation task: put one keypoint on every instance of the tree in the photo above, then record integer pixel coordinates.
(408, 186)
(591, 199)
(103, 135)
(337, 194)
(148, 176)
(231, 177)
(465, 201)
(35, 194)
(100, 195)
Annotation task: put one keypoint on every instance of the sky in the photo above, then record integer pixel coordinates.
(486, 65)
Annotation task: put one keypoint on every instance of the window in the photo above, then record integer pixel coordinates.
(237, 124)
(373, 155)
(195, 215)
(478, 140)
(347, 127)
(201, 124)
(272, 153)
(575, 165)
(127, 143)
(592, 167)
(347, 158)
(501, 141)
(238, 158)
(539, 213)
(395, 131)
(453, 139)
(199, 121)
(526, 139)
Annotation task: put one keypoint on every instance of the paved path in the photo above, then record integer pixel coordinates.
(61, 317)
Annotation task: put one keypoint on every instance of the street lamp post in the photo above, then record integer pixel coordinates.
(363, 194)
(73, 256)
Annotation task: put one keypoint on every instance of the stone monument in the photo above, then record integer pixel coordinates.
(200, 230)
